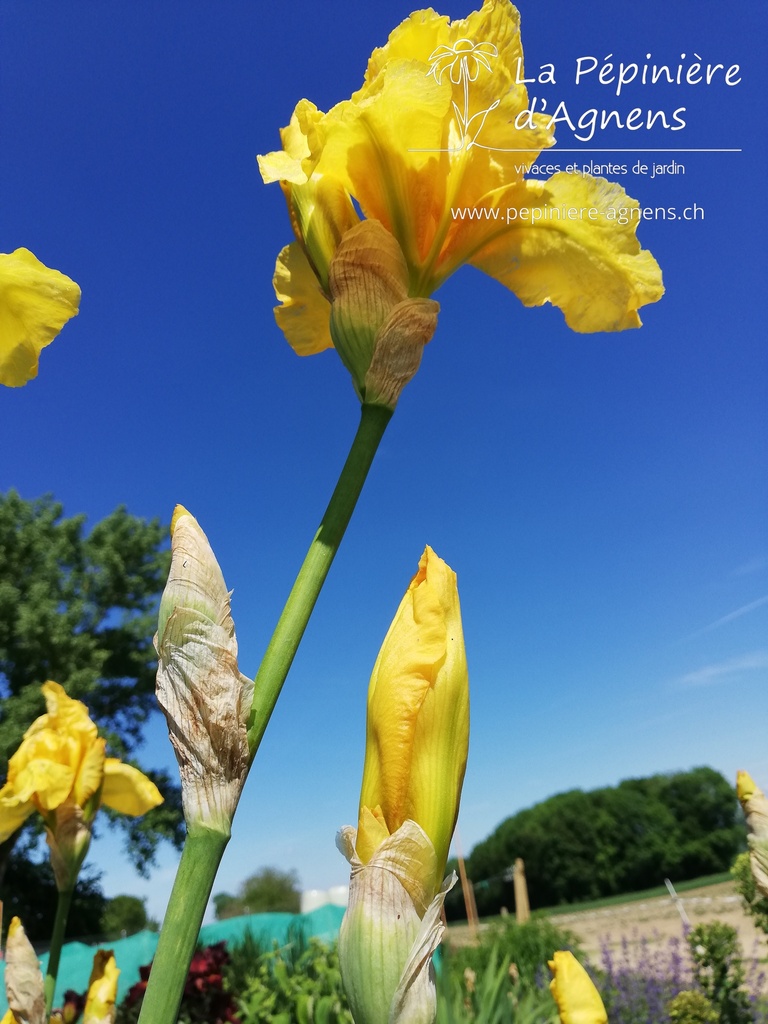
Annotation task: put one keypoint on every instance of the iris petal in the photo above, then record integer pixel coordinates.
(127, 790)
(35, 303)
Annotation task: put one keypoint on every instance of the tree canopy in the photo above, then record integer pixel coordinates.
(582, 845)
(80, 608)
(125, 915)
(270, 889)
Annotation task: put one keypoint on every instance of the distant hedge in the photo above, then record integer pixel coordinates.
(624, 838)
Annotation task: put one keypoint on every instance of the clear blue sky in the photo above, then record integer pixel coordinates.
(602, 497)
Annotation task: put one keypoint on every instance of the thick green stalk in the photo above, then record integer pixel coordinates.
(203, 848)
(57, 940)
(301, 600)
(199, 863)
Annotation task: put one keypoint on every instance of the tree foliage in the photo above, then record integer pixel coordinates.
(269, 890)
(29, 892)
(582, 845)
(125, 915)
(80, 608)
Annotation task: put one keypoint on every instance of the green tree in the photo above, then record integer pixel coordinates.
(80, 608)
(29, 892)
(618, 839)
(270, 889)
(125, 915)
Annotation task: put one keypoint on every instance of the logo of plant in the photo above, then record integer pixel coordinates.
(463, 62)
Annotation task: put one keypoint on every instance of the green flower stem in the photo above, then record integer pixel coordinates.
(204, 848)
(301, 600)
(57, 941)
(199, 863)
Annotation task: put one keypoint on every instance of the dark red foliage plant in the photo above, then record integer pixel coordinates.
(204, 1001)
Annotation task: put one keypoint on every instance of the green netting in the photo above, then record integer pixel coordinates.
(132, 953)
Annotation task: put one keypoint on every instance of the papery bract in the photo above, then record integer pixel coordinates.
(205, 698)
(23, 979)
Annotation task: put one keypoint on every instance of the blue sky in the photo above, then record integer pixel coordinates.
(601, 497)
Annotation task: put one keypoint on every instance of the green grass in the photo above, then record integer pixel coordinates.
(633, 897)
(611, 901)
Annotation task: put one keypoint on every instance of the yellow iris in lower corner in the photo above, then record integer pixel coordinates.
(61, 771)
(35, 303)
(755, 806)
(577, 999)
(439, 160)
(416, 753)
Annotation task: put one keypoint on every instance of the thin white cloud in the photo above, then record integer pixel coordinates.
(724, 671)
(744, 610)
(751, 567)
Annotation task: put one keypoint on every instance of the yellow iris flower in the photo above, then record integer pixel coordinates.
(755, 806)
(62, 772)
(577, 999)
(35, 303)
(416, 753)
(415, 148)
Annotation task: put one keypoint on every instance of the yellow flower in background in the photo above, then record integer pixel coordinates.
(35, 303)
(577, 999)
(449, 187)
(102, 989)
(416, 753)
(755, 806)
(61, 771)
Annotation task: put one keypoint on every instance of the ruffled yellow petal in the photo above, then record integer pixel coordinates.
(128, 790)
(495, 31)
(48, 782)
(14, 811)
(577, 999)
(35, 303)
(305, 312)
(66, 718)
(590, 265)
(90, 773)
(387, 147)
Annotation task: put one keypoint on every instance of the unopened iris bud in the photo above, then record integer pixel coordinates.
(23, 979)
(416, 752)
(205, 698)
(102, 989)
(574, 992)
(755, 806)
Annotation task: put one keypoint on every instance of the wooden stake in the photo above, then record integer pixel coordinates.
(522, 906)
